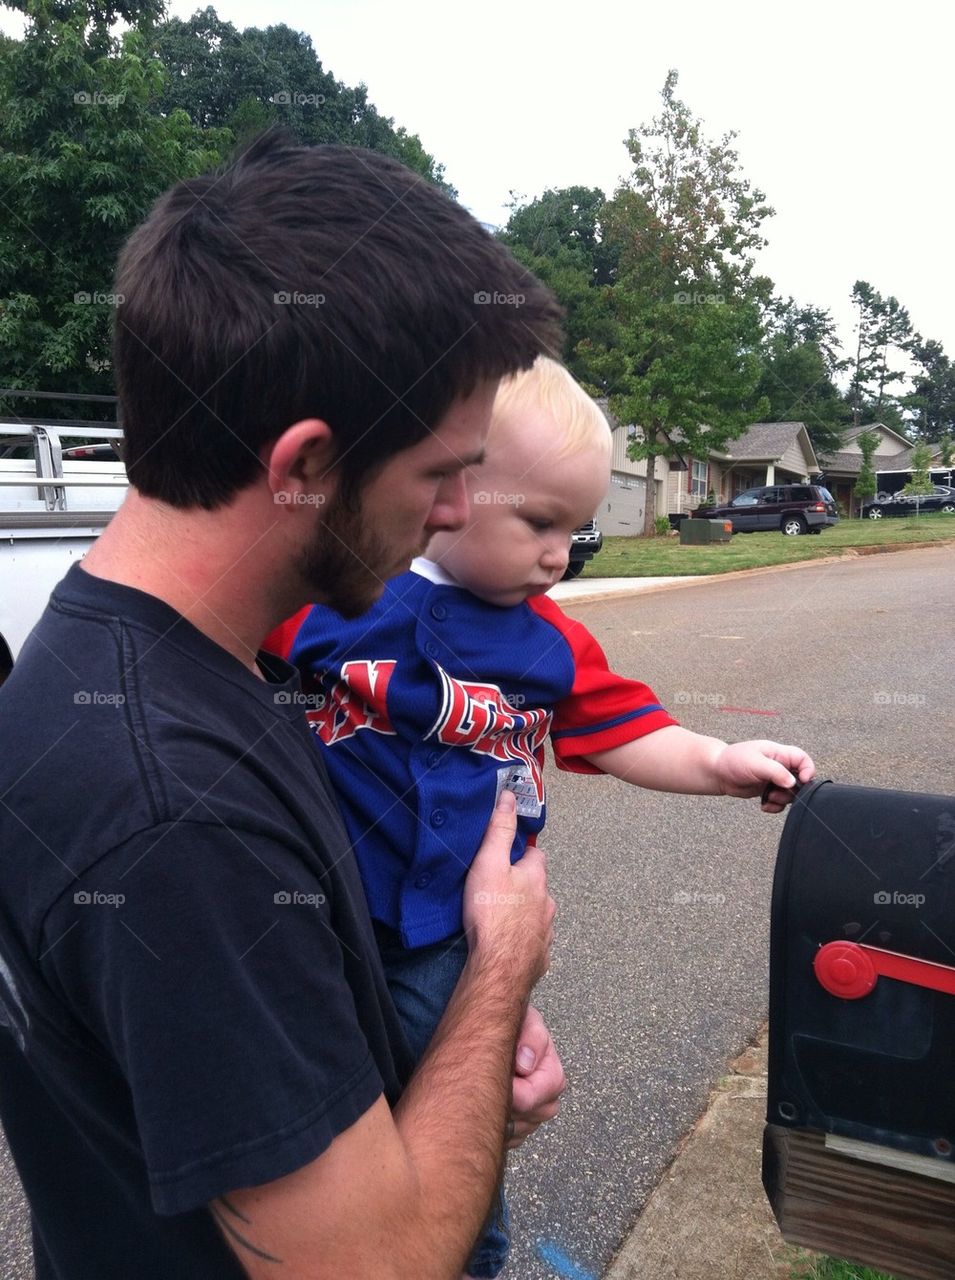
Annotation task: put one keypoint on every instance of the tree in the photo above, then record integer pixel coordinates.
(801, 361)
(560, 238)
(947, 448)
(244, 81)
(883, 331)
(921, 483)
(84, 153)
(686, 368)
(865, 486)
(932, 399)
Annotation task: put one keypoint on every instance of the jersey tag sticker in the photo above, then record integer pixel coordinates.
(518, 778)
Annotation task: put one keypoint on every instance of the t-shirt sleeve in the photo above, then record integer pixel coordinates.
(603, 709)
(206, 962)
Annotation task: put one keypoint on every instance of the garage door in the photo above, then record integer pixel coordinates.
(622, 510)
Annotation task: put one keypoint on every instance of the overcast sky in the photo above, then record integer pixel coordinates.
(843, 111)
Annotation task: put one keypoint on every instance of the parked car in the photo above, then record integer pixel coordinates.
(585, 542)
(791, 508)
(904, 504)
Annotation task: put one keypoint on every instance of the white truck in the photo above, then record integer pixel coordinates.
(51, 509)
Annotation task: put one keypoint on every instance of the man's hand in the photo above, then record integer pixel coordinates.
(539, 1079)
(745, 769)
(508, 913)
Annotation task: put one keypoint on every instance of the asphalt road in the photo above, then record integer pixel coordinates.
(659, 974)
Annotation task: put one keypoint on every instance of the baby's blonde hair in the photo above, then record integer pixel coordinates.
(547, 385)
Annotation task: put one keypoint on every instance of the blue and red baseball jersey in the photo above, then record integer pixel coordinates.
(430, 703)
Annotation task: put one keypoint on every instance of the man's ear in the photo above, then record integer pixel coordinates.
(300, 462)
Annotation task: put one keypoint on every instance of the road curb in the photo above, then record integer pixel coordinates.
(708, 1216)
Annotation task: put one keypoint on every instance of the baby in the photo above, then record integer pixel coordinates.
(445, 691)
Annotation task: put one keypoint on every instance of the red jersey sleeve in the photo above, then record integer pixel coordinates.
(603, 709)
(280, 640)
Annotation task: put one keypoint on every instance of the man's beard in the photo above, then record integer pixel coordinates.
(346, 563)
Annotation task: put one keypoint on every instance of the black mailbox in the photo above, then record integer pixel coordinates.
(862, 1014)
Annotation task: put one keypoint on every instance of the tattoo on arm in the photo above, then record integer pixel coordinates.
(233, 1233)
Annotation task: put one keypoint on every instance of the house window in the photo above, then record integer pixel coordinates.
(698, 479)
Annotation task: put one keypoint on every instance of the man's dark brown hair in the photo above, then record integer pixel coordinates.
(308, 282)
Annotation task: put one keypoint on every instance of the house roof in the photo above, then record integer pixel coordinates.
(765, 440)
(851, 463)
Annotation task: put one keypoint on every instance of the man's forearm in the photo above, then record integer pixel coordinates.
(453, 1114)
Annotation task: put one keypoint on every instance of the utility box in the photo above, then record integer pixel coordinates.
(859, 1146)
(696, 532)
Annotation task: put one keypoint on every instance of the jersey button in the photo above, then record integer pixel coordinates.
(431, 649)
(422, 882)
(439, 611)
(438, 817)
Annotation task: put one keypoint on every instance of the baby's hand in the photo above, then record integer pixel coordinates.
(769, 769)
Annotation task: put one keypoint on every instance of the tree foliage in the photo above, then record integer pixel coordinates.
(883, 334)
(95, 125)
(84, 152)
(686, 298)
(802, 359)
(921, 482)
(868, 442)
(931, 401)
(245, 81)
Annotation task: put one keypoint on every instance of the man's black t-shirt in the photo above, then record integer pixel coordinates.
(188, 976)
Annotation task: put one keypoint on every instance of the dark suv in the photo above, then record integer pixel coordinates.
(791, 508)
(585, 542)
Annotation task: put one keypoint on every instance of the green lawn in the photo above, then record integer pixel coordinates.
(664, 557)
(817, 1267)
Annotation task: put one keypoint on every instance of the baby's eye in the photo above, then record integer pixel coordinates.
(540, 525)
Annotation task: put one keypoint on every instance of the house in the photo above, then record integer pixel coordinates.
(891, 462)
(766, 453)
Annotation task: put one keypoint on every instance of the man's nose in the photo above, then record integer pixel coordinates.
(451, 505)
